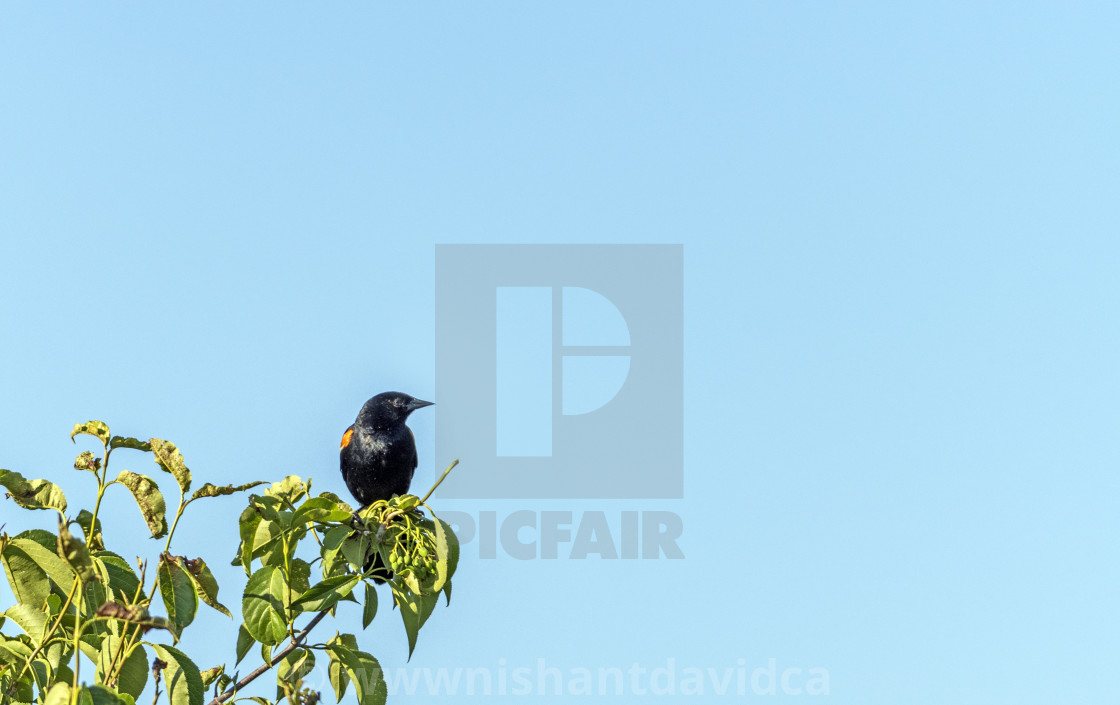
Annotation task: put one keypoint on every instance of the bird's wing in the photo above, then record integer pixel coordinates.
(415, 455)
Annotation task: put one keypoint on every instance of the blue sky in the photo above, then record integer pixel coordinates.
(218, 222)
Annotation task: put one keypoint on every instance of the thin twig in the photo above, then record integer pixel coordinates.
(440, 480)
(264, 668)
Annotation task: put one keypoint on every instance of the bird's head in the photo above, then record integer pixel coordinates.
(391, 407)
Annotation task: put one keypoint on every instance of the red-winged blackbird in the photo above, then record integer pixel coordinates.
(378, 452)
(378, 456)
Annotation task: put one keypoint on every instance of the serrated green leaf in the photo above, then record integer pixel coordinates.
(148, 497)
(365, 673)
(133, 443)
(338, 502)
(101, 695)
(178, 592)
(293, 668)
(205, 584)
(288, 490)
(123, 581)
(32, 568)
(247, 524)
(319, 509)
(168, 457)
(28, 581)
(270, 544)
(133, 674)
(33, 494)
(300, 579)
(339, 676)
(369, 610)
(263, 605)
(268, 507)
(333, 562)
(447, 553)
(356, 549)
(31, 620)
(209, 490)
(415, 609)
(97, 429)
(244, 643)
(325, 594)
(182, 679)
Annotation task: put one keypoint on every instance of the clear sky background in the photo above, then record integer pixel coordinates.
(217, 226)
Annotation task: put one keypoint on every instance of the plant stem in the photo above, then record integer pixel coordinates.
(263, 668)
(440, 480)
(77, 639)
(100, 492)
(178, 513)
(50, 632)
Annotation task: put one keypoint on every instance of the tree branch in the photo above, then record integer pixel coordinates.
(264, 668)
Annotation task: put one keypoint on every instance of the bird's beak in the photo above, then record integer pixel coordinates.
(418, 404)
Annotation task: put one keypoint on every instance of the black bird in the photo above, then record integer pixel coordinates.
(378, 452)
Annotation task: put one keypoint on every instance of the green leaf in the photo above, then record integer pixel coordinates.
(33, 568)
(339, 677)
(268, 507)
(293, 668)
(209, 490)
(324, 595)
(364, 671)
(100, 695)
(133, 673)
(205, 584)
(31, 620)
(72, 550)
(133, 443)
(415, 609)
(87, 461)
(123, 581)
(29, 582)
(182, 679)
(300, 578)
(177, 589)
(319, 509)
(168, 457)
(290, 489)
(211, 674)
(447, 555)
(263, 606)
(370, 608)
(96, 429)
(337, 501)
(32, 494)
(244, 643)
(147, 495)
(248, 523)
(355, 549)
(92, 533)
(270, 543)
(59, 694)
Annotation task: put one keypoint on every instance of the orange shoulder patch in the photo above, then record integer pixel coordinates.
(346, 439)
